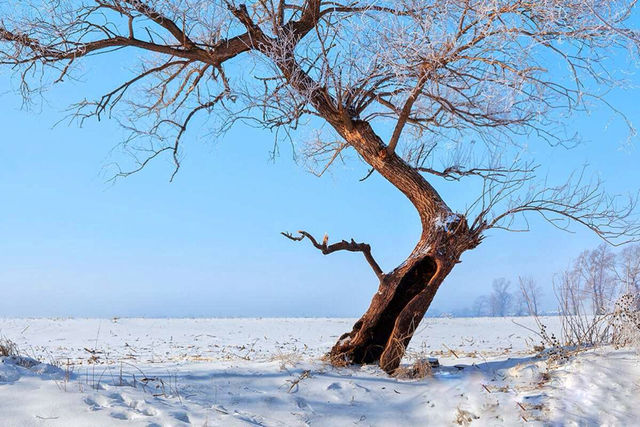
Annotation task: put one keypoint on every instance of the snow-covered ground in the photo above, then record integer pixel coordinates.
(226, 372)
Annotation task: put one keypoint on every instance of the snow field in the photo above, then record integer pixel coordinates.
(226, 372)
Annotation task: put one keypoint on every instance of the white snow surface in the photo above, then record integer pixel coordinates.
(269, 372)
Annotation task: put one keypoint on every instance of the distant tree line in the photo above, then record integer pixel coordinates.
(596, 278)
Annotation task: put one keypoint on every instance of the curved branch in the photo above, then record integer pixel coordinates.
(343, 245)
(576, 201)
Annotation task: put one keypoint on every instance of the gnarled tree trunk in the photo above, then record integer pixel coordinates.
(404, 295)
(382, 334)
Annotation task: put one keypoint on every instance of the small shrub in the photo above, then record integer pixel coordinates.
(625, 321)
(580, 328)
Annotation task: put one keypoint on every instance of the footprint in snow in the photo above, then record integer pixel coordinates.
(123, 406)
(302, 404)
(120, 415)
(93, 405)
(116, 397)
(181, 416)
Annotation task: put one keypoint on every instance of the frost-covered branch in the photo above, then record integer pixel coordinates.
(578, 200)
(439, 76)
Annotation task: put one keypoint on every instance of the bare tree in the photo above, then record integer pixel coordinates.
(480, 306)
(520, 307)
(568, 288)
(628, 269)
(500, 299)
(420, 90)
(530, 293)
(597, 270)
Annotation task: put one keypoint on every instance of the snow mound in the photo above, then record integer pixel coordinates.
(12, 368)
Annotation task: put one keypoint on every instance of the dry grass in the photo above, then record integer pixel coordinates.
(464, 418)
(420, 369)
(295, 383)
(8, 348)
(287, 359)
(338, 361)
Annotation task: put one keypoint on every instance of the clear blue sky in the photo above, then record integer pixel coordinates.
(208, 244)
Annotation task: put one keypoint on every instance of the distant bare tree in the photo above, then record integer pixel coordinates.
(597, 271)
(520, 307)
(568, 289)
(530, 294)
(480, 306)
(628, 269)
(500, 299)
(419, 90)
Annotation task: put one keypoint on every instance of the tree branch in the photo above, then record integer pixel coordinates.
(498, 174)
(351, 246)
(405, 112)
(163, 21)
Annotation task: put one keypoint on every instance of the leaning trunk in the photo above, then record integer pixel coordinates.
(383, 333)
(404, 295)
